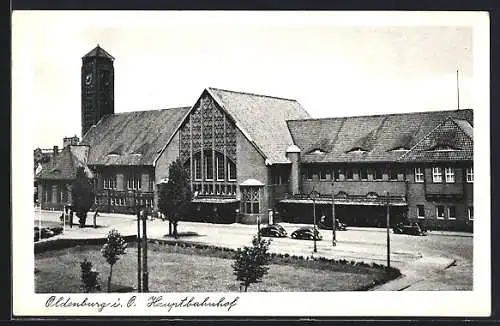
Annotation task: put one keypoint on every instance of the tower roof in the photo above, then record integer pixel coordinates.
(98, 52)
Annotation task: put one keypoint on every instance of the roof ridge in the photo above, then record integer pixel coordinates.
(138, 111)
(380, 115)
(253, 94)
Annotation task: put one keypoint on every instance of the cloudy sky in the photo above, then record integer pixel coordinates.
(334, 64)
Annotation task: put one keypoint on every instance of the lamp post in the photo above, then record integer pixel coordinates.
(139, 277)
(145, 273)
(334, 237)
(388, 237)
(313, 195)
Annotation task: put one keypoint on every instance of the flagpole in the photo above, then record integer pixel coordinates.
(458, 94)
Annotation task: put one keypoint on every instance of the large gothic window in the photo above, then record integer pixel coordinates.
(211, 170)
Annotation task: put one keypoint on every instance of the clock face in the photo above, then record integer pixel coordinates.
(88, 79)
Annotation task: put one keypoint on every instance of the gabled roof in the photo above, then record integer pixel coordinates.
(263, 119)
(451, 140)
(98, 52)
(376, 138)
(132, 138)
(63, 166)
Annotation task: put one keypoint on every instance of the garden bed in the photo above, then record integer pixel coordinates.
(176, 266)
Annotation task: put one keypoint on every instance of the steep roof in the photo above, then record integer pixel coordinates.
(263, 119)
(451, 140)
(376, 138)
(63, 166)
(132, 138)
(98, 52)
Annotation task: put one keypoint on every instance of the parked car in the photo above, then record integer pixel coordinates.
(327, 225)
(273, 230)
(409, 228)
(306, 233)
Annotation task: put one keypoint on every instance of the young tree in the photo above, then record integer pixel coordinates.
(250, 263)
(89, 276)
(174, 197)
(114, 247)
(82, 195)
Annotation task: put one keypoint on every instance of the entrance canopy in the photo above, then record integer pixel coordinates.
(359, 201)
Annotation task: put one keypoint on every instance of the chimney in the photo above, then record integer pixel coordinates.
(70, 141)
(56, 150)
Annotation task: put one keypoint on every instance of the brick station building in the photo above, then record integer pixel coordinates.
(249, 155)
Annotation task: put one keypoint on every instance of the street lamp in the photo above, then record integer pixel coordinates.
(313, 195)
(334, 238)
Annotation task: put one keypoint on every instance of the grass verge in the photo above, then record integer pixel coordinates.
(187, 268)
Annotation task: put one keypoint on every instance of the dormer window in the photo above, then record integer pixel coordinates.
(113, 154)
(443, 148)
(400, 149)
(357, 150)
(317, 151)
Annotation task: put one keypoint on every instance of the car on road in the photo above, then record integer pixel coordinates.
(306, 233)
(273, 230)
(409, 228)
(326, 224)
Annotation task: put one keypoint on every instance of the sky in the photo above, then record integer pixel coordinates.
(332, 63)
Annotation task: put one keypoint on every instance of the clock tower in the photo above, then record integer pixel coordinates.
(97, 87)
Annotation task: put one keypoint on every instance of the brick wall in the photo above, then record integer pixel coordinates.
(251, 165)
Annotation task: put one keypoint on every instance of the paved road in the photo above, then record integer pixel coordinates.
(417, 257)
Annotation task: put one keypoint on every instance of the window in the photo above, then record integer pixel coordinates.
(437, 174)
(451, 213)
(349, 174)
(209, 167)
(449, 175)
(231, 168)
(134, 181)
(54, 194)
(220, 167)
(151, 182)
(440, 212)
(363, 174)
(470, 212)
(322, 174)
(377, 174)
(394, 174)
(250, 200)
(309, 174)
(419, 175)
(420, 211)
(336, 173)
(109, 182)
(470, 175)
(197, 168)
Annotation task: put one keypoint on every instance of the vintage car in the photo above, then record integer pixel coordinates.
(326, 224)
(273, 230)
(409, 228)
(306, 233)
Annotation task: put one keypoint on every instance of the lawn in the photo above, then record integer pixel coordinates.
(175, 269)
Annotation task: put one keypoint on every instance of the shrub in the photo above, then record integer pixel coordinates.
(89, 277)
(250, 263)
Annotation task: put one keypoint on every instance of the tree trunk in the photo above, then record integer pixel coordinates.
(175, 229)
(246, 287)
(109, 278)
(169, 227)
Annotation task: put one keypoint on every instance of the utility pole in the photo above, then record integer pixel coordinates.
(388, 237)
(334, 238)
